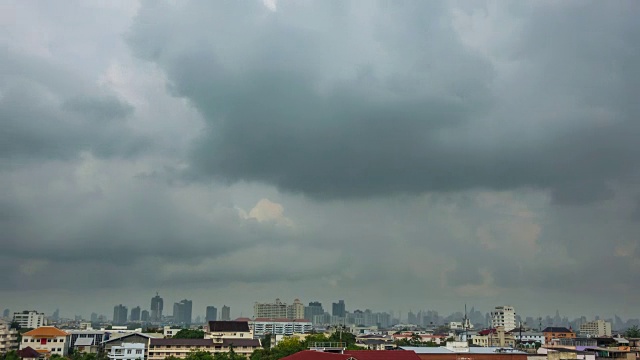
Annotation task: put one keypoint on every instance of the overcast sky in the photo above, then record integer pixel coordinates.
(396, 154)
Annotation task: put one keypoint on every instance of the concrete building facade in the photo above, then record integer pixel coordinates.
(505, 317)
(596, 328)
(29, 319)
(8, 338)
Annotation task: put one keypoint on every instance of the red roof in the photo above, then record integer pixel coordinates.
(382, 354)
(356, 354)
(28, 353)
(315, 355)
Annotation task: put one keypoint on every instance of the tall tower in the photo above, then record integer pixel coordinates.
(120, 314)
(156, 308)
(212, 313)
(226, 313)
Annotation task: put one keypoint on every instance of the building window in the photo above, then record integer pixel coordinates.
(138, 351)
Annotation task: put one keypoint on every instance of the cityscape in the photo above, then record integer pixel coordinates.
(154, 333)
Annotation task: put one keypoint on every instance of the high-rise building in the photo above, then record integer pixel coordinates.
(94, 317)
(296, 310)
(314, 308)
(144, 316)
(338, 309)
(182, 312)
(56, 315)
(135, 314)
(212, 313)
(276, 310)
(279, 310)
(5, 313)
(504, 316)
(598, 328)
(120, 314)
(225, 313)
(29, 319)
(156, 308)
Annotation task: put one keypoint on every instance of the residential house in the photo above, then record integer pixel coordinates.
(28, 353)
(47, 340)
(119, 340)
(127, 351)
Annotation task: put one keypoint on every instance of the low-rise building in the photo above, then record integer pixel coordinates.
(47, 340)
(219, 330)
(28, 353)
(98, 336)
(8, 338)
(180, 348)
(493, 338)
(127, 351)
(86, 345)
(556, 333)
(528, 337)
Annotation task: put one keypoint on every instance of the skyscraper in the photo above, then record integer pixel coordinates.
(314, 308)
(338, 309)
(135, 314)
(144, 316)
(120, 315)
(182, 312)
(5, 313)
(156, 308)
(94, 317)
(226, 313)
(212, 313)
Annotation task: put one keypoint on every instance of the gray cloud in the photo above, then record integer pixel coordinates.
(48, 112)
(445, 141)
(399, 103)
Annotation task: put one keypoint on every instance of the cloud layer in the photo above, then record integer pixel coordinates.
(450, 152)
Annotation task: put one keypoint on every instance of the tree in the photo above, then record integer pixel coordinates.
(266, 341)
(199, 355)
(189, 334)
(11, 355)
(632, 332)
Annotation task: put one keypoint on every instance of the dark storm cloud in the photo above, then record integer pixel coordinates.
(47, 112)
(366, 99)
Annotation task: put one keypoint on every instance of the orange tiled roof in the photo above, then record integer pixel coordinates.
(43, 351)
(46, 331)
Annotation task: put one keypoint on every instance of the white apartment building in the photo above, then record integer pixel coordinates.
(127, 351)
(8, 338)
(262, 326)
(596, 328)
(504, 316)
(29, 319)
(279, 310)
(47, 340)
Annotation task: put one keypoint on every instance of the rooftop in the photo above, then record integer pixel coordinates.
(228, 326)
(46, 331)
(88, 341)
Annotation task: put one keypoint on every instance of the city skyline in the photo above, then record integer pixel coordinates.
(532, 320)
(399, 156)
